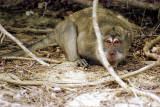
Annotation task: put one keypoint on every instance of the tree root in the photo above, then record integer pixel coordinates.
(148, 46)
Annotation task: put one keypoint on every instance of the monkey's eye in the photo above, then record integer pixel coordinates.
(108, 41)
(116, 42)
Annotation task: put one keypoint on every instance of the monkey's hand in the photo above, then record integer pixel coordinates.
(81, 63)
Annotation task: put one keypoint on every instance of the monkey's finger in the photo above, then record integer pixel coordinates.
(82, 63)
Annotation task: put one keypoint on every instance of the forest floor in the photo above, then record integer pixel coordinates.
(68, 83)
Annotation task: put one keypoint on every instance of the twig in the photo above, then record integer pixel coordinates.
(140, 4)
(146, 94)
(22, 46)
(106, 63)
(154, 29)
(100, 47)
(135, 3)
(141, 70)
(148, 45)
(107, 80)
(143, 17)
(24, 58)
(135, 93)
(2, 36)
(37, 83)
(73, 85)
(84, 2)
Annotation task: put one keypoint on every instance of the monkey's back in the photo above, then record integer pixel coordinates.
(83, 18)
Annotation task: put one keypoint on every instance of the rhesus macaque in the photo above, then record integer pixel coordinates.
(76, 36)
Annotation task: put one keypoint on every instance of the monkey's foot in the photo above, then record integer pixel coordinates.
(81, 63)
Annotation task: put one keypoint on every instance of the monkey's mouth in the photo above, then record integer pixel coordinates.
(111, 62)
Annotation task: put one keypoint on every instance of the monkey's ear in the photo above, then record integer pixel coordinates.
(102, 31)
(113, 28)
(127, 34)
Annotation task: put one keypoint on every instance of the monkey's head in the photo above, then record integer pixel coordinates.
(116, 43)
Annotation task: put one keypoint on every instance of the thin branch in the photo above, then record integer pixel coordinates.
(15, 82)
(4, 32)
(134, 3)
(140, 4)
(148, 46)
(100, 47)
(24, 58)
(135, 94)
(154, 64)
(102, 81)
(84, 2)
(106, 63)
(153, 96)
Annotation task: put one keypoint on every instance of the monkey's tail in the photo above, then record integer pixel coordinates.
(37, 45)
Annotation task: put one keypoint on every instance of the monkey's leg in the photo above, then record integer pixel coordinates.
(68, 40)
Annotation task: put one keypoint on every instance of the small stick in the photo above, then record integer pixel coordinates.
(22, 46)
(100, 48)
(24, 58)
(148, 45)
(135, 94)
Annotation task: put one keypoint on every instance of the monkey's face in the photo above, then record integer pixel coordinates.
(112, 49)
(114, 42)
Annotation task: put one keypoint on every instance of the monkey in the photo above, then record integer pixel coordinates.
(76, 36)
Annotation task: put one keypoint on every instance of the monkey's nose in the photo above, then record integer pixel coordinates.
(112, 53)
